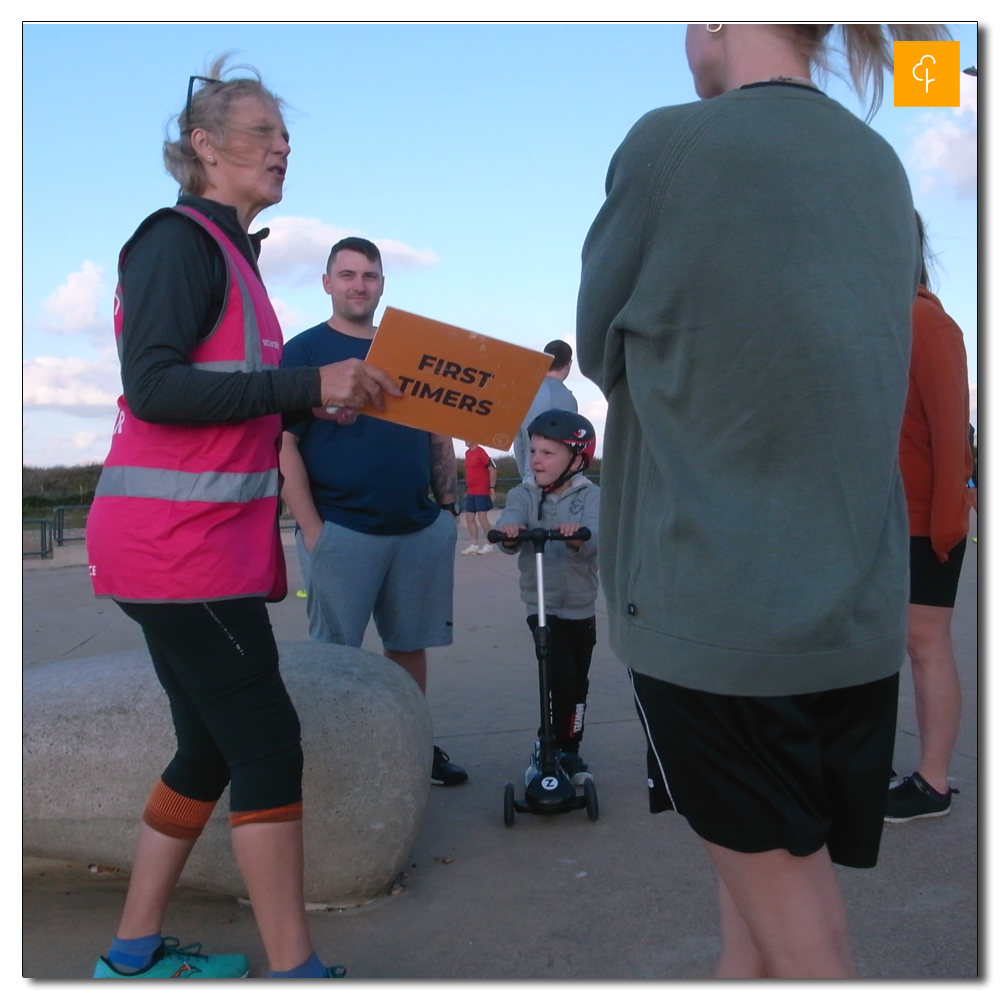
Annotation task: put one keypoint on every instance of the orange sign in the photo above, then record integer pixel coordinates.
(455, 382)
(927, 74)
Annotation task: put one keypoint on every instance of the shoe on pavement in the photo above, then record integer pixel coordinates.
(443, 772)
(913, 798)
(576, 770)
(470, 550)
(485, 550)
(171, 961)
(335, 972)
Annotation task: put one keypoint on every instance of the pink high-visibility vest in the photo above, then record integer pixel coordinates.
(186, 512)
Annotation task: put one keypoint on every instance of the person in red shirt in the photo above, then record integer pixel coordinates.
(480, 492)
(936, 462)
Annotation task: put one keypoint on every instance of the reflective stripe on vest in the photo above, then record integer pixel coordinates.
(251, 335)
(171, 484)
(252, 361)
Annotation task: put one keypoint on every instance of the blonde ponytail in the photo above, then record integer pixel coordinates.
(868, 50)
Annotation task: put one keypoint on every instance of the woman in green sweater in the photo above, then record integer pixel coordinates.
(745, 307)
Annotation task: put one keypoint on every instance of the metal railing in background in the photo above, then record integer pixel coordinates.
(504, 485)
(40, 529)
(69, 527)
(287, 523)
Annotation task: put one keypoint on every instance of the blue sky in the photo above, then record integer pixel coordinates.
(475, 154)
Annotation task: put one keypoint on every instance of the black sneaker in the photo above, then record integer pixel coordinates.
(576, 770)
(443, 772)
(913, 798)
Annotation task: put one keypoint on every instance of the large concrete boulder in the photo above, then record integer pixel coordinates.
(97, 734)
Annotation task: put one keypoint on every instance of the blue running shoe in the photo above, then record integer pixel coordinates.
(171, 961)
(335, 972)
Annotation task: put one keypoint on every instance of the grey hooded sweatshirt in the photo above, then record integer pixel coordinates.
(570, 575)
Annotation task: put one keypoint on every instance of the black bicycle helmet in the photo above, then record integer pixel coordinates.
(572, 429)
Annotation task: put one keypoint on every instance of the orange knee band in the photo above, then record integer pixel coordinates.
(175, 815)
(282, 814)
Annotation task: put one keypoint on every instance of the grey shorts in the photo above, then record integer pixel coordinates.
(405, 581)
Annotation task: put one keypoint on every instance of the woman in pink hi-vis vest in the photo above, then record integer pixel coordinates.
(183, 530)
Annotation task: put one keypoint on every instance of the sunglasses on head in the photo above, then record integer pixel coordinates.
(187, 106)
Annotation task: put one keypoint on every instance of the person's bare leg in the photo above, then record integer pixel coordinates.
(937, 690)
(472, 527)
(270, 857)
(793, 910)
(484, 523)
(413, 662)
(740, 958)
(159, 861)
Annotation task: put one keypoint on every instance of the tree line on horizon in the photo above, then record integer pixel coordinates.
(65, 485)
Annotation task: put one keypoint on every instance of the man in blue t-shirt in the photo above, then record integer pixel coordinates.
(370, 539)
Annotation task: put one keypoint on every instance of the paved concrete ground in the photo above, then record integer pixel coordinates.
(631, 896)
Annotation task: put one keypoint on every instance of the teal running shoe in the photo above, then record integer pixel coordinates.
(335, 972)
(171, 961)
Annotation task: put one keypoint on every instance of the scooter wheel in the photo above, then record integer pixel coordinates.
(590, 798)
(508, 804)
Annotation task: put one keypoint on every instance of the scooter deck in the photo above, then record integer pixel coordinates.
(578, 802)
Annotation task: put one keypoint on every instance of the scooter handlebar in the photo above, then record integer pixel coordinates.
(539, 536)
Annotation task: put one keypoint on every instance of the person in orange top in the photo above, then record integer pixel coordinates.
(936, 463)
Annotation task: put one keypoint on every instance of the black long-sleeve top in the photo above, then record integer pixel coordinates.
(173, 292)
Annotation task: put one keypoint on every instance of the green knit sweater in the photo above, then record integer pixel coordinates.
(745, 307)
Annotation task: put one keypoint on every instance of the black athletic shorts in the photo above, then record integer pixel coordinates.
(760, 774)
(933, 582)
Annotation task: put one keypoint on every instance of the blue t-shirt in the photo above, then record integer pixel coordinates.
(370, 476)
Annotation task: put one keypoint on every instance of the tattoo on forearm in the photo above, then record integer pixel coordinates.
(444, 474)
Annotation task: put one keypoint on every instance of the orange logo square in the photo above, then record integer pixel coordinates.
(927, 74)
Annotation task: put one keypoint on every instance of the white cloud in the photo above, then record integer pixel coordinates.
(85, 439)
(945, 151)
(295, 253)
(595, 409)
(74, 307)
(969, 94)
(395, 252)
(78, 448)
(289, 317)
(72, 385)
(974, 405)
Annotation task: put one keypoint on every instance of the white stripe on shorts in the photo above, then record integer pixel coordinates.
(645, 726)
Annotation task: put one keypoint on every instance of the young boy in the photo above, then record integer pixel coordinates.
(480, 492)
(558, 496)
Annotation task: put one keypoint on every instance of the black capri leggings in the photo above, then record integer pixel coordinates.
(218, 663)
(932, 582)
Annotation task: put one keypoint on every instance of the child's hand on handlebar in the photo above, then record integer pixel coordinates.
(511, 530)
(570, 529)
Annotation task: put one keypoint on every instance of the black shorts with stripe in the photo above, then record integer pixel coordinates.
(759, 774)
